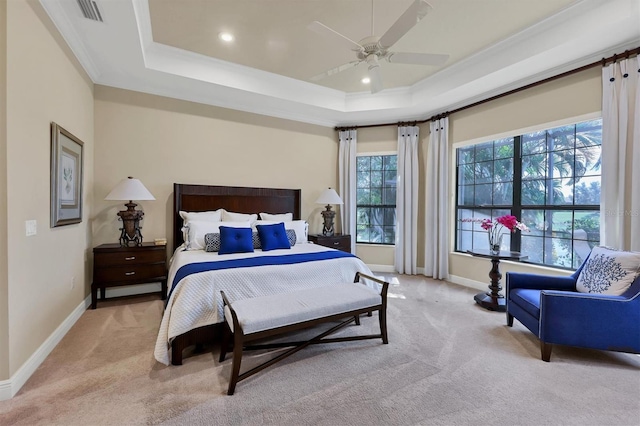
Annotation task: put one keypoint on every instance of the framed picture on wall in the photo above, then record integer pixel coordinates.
(66, 177)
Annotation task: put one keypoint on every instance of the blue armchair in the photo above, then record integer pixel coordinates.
(552, 309)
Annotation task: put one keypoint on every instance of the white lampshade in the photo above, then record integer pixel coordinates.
(329, 196)
(129, 189)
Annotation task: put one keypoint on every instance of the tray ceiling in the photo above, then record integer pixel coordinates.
(172, 48)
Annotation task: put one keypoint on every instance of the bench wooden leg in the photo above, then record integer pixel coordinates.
(224, 344)
(382, 318)
(238, 345)
(357, 319)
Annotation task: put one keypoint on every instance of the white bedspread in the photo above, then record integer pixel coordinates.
(195, 301)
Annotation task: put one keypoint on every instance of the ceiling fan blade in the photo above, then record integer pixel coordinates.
(334, 71)
(417, 58)
(405, 22)
(375, 78)
(325, 31)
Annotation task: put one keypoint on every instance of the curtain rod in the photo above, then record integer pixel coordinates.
(602, 62)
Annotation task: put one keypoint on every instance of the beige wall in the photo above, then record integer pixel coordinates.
(568, 97)
(4, 303)
(162, 141)
(44, 84)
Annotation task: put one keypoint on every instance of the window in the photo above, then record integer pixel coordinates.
(549, 180)
(376, 199)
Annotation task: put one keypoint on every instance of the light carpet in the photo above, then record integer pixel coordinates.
(448, 362)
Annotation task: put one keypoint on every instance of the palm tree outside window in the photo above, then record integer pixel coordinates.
(549, 179)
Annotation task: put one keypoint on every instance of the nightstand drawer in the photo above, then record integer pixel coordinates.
(129, 258)
(338, 241)
(130, 273)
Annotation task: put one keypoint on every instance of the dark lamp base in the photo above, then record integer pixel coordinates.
(327, 227)
(130, 231)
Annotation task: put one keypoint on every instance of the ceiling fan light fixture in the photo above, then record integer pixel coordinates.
(226, 37)
(373, 48)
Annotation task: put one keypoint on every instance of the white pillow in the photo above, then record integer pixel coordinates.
(197, 229)
(608, 271)
(300, 226)
(238, 217)
(212, 216)
(284, 217)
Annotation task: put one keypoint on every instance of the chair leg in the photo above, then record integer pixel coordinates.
(545, 351)
(509, 319)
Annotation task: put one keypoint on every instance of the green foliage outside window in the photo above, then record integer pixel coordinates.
(376, 177)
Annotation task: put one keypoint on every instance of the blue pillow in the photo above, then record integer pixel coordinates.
(235, 240)
(291, 236)
(273, 237)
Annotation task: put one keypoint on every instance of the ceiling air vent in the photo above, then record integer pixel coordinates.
(90, 10)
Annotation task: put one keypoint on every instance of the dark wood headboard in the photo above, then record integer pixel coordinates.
(200, 198)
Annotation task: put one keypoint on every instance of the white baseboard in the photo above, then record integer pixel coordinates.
(5, 390)
(390, 269)
(8, 388)
(382, 268)
(468, 283)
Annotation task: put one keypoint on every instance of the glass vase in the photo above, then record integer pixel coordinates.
(495, 241)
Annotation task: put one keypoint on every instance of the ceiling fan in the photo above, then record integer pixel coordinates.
(371, 49)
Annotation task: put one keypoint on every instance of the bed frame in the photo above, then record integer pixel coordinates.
(198, 198)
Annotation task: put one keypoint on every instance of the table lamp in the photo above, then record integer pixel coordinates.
(329, 196)
(130, 189)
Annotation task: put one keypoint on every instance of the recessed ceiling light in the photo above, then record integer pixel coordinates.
(366, 80)
(225, 37)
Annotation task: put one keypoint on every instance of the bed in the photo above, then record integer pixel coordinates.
(192, 314)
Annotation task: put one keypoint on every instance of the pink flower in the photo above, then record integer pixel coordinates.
(486, 224)
(508, 221)
(495, 228)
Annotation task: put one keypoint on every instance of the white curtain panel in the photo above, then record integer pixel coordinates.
(407, 201)
(620, 199)
(347, 185)
(436, 245)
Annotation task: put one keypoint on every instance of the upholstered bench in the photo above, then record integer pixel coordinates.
(256, 318)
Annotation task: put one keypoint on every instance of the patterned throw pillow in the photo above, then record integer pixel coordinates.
(256, 241)
(608, 271)
(212, 242)
(291, 235)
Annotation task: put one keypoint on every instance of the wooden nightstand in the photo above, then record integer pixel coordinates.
(336, 241)
(115, 266)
